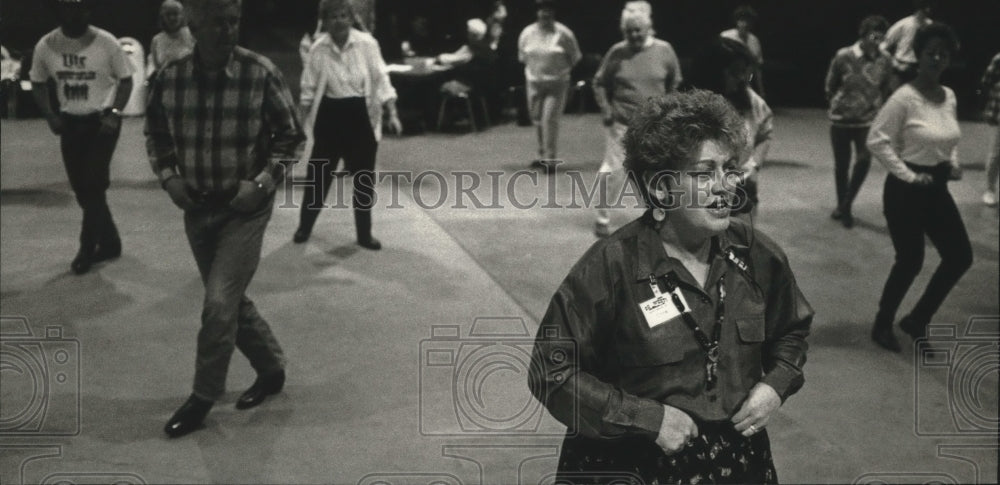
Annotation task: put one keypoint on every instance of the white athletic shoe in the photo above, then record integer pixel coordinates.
(990, 198)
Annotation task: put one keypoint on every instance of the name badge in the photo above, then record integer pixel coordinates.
(660, 308)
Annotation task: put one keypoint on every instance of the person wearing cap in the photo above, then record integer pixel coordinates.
(174, 41)
(549, 51)
(93, 81)
(634, 70)
(221, 133)
(745, 17)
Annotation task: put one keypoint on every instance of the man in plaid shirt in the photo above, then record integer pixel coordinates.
(220, 129)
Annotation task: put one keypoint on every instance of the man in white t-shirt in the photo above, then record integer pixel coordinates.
(898, 43)
(92, 77)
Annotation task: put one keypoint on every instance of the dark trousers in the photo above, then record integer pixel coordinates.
(87, 157)
(342, 131)
(841, 138)
(226, 246)
(911, 212)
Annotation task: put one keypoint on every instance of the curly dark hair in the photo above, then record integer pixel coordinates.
(873, 23)
(668, 131)
(710, 65)
(933, 30)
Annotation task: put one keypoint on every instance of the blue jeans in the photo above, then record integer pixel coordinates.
(226, 245)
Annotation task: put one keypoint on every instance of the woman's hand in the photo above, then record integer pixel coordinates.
(956, 173)
(676, 429)
(756, 409)
(923, 179)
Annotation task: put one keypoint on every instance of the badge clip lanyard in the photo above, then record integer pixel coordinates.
(711, 347)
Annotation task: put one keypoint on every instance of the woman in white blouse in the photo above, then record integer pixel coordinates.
(345, 85)
(915, 136)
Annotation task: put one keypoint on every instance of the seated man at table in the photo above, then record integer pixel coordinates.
(475, 65)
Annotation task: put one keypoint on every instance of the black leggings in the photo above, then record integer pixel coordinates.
(342, 130)
(912, 211)
(87, 157)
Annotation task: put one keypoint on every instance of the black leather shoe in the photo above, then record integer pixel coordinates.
(886, 339)
(106, 252)
(847, 219)
(836, 214)
(189, 417)
(81, 263)
(301, 236)
(370, 243)
(261, 388)
(913, 327)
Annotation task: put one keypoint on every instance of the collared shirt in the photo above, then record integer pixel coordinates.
(899, 40)
(215, 129)
(911, 128)
(990, 86)
(627, 78)
(548, 56)
(355, 70)
(86, 70)
(857, 85)
(602, 370)
(752, 42)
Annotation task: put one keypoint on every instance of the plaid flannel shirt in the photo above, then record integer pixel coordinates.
(216, 129)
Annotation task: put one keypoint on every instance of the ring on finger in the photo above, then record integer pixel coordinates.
(753, 429)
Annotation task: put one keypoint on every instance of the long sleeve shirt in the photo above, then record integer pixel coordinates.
(627, 78)
(167, 47)
(548, 56)
(604, 371)
(911, 128)
(216, 129)
(354, 70)
(856, 86)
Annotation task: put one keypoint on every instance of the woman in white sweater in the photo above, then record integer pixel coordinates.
(915, 136)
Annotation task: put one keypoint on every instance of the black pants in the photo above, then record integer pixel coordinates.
(912, 211)
(342, 130)
(87, 157)
(841, 138)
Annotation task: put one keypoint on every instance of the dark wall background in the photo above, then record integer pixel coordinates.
(798, 36)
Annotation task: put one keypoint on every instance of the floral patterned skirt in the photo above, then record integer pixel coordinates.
(719, 454)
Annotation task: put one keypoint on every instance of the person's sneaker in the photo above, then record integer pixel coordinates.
(81, 263)
(913, 327)
(601, 229)
(990, 198)
(836, 214)
(884, 337)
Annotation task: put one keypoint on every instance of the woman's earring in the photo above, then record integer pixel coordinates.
(659, 214)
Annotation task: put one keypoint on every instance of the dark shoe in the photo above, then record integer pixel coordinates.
(913, 327)
(301, 236)
(81, 263)
(836, 214)
(106, 252)
(601, 230)
(847, 220)
(886, 339)
(189, 417)
(261, 388)
(370, 243)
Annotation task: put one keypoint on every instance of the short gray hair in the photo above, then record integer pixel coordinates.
(637, 18)
(195, 10)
